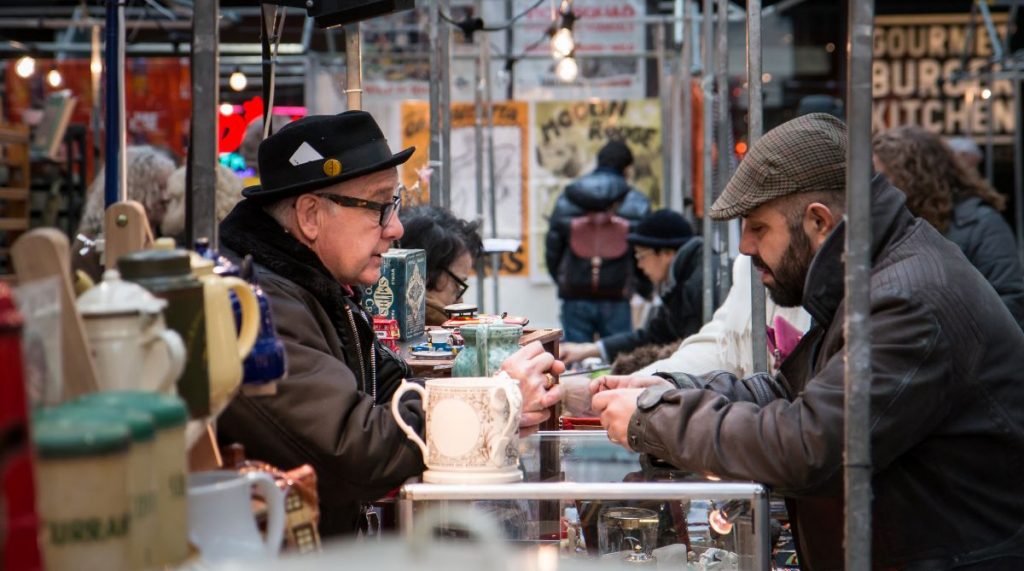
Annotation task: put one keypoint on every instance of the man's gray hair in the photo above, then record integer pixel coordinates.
(280, 210)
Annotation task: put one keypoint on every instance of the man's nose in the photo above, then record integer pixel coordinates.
(748, 242)
(393, 230)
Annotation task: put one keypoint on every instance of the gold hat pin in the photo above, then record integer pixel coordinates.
(332, 167)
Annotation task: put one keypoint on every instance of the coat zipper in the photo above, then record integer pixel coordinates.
(362, 363)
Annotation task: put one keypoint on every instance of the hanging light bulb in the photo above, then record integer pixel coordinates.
(54, 78)
(226, 109)
(25, 66)
(567, 69)
(238, 81)
(562, 43)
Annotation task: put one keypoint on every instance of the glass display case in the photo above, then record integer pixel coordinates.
(595, 500)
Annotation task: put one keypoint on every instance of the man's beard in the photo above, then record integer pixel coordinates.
(789, 277)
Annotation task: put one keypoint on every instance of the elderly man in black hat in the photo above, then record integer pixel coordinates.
(947, 401)
(316, 227)
(670, 256)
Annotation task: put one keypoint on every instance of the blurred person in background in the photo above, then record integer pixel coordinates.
(452, 246)
(953, 198)
(967, 151)
(229, 192)
(670, 256)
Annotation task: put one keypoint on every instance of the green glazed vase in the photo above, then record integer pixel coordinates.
(487, 346)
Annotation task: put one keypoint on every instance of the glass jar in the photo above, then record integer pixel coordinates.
(629, 534)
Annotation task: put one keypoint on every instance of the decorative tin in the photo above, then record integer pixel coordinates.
(400, 293)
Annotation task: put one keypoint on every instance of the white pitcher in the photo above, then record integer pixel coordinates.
(132, 347)
(220, 520)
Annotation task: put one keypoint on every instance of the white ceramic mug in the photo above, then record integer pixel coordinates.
(220, 520)
(472, 428)
(440, 336)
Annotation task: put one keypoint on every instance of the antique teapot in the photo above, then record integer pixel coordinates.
(128, 338)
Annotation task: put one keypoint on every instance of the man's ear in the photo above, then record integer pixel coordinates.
(307, 217)
(819, 221)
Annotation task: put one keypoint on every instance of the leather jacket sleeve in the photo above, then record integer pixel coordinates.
(793, 441)
(992, 249)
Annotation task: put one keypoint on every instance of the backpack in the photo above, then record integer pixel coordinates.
(596, 240)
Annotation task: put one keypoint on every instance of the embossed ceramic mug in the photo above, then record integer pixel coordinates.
(472, 428)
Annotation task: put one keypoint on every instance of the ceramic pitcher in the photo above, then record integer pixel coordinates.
(471, 432)
(487, 346)
(128, 339)
(220, 520)
(226, 349)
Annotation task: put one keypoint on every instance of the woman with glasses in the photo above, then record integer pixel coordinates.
(452, 245)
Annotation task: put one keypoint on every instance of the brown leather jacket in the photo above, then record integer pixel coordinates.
(947, 410)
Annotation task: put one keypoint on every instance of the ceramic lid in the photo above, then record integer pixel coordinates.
(116, 296)
(154, 264)
(168, 411)
(140, 423)
(58, 435)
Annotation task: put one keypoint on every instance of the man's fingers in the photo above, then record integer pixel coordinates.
(534, 418)
(557, 367)
(552, 396)
(601, 401)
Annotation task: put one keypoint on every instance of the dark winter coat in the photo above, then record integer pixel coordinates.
(680, 313)
(595, 192)
(332, 410)
(947, 409)
(988, 242)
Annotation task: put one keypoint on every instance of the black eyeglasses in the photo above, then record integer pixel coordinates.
(463, 286)
(386, 209)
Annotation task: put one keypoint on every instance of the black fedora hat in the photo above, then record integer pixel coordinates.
(321, 150)
(661, 229)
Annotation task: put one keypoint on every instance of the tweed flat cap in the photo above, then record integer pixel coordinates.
(803, 155)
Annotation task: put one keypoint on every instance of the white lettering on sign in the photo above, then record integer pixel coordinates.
(914, 58)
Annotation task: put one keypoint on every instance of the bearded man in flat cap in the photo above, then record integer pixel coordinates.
(947, 397)
(316, 227)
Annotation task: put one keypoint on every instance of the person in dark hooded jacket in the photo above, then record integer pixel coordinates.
(585, 313)
(670, 256)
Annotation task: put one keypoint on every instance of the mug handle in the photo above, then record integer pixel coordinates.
(395, 399)
(513, 418)
(250, 314)
(275, 509)
(175, 359)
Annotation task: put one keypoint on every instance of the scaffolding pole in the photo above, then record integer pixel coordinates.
(686, 180)
(724, 150)
(114, 184)
(1018, 171)
(492, 175)
(478, 152)
(707, 82)
(666, 91)
(755, 128)
(857, 357)
(201, 191)
(440, 108)
(353, 67)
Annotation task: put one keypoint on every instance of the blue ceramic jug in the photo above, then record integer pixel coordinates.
(487, 346)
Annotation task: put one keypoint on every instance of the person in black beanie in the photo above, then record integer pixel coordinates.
(597, 211)
(670, 256)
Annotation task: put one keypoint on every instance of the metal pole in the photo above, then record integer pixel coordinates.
(755, 128)
(440, 128)
(353, 66)
(667, 115)
(857, 358)
(1018, 171)
(706, 174)
(686, 180)
(724, 139)
(492, 173)
(200, 196)
(114, 184)
(990, 126)
(478, 151)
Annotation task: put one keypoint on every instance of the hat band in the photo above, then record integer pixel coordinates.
(356, 158)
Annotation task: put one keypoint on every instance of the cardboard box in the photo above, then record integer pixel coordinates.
(401, 291)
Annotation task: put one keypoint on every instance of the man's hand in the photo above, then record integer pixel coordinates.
(612, 382)
(616, 408)
(576, 352)
(532, 367)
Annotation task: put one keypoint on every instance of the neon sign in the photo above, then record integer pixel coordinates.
(232, 125)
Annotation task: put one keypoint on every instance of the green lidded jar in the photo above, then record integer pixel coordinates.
(82, 472)
(167, 274)
(168, 464)
(141, 474)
